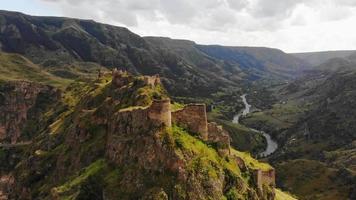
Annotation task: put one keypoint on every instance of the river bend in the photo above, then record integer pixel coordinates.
(271, 144)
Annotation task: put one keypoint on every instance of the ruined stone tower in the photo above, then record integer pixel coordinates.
(119, 78)
(160, 111)
(152, 80)
(264, 177)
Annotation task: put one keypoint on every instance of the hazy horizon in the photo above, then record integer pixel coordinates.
(292, 26)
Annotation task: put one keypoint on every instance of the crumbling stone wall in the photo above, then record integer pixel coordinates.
(120, 78)
(220, 137)
(264, 178)
(152, 80)
(160, 111)
(193, 117)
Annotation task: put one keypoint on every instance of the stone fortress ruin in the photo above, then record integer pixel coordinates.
(192, 117)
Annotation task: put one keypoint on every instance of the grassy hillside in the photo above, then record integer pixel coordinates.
(280, 195)
(313, 180)
(16, 67)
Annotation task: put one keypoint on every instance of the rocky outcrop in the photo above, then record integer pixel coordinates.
(134, 140)
(141, 125)
(18, 102)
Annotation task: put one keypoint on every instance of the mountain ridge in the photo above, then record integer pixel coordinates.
(56, 41)
(320, 57)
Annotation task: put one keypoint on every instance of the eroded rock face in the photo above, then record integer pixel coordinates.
(131, 131)
(16, 100)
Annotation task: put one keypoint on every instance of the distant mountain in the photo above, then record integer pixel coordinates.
(186, 68)
(317, 58)
(266, 61)
(250, 62)
(54, 42)
(338, 63)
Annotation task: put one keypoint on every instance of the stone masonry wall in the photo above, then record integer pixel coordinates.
(264, 178)
(193, 117)
(152, 80)
(160, 111)
(220, 137)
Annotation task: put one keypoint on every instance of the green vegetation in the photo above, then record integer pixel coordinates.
(90, 182)
(91, 170)
(74, 137)
(251, 162)
(16, 67)
(207, 161)
(311, 180)
(280, 116)
(177, 106)
(280, 195)
(205, 157)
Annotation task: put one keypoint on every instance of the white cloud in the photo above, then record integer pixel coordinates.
(292, 25)
(238, 4)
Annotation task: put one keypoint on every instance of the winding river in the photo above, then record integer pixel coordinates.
(271, 144)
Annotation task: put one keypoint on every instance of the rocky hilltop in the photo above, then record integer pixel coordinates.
(121, 137)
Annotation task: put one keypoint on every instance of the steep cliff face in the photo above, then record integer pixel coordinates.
(19, 102)
(119, 141)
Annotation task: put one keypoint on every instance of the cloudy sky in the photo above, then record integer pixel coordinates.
(291, 25)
